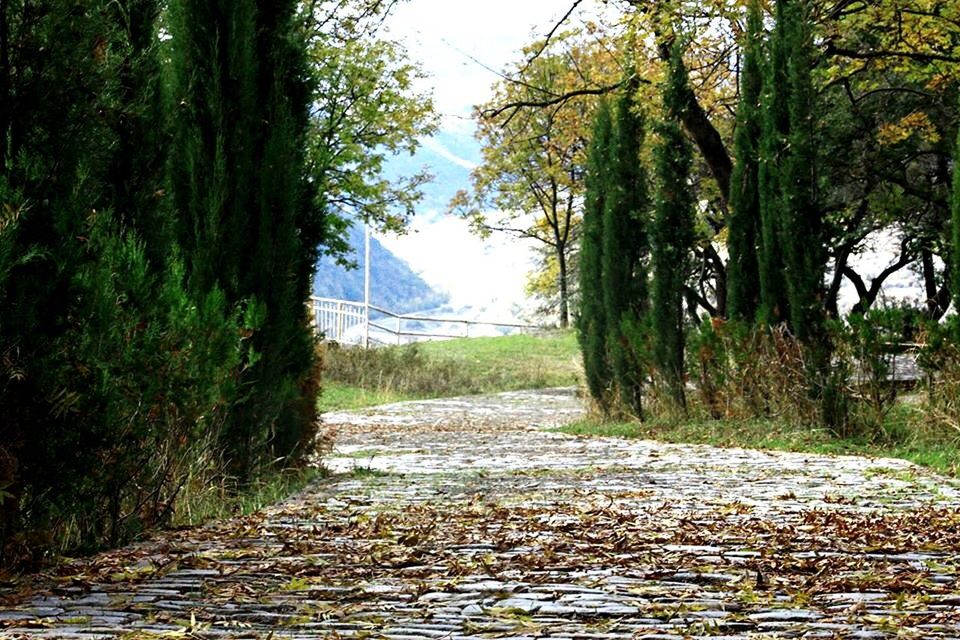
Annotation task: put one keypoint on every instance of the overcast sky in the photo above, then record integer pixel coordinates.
(458, 43)
(446, 36)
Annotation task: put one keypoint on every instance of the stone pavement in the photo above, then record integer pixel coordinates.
(464, 519)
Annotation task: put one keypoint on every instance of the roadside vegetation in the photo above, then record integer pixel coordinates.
(355, 377)
(748, 388)
(170, 173)
(704, 180)
(907, 434)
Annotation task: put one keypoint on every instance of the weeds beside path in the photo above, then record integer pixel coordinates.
(464, 519)
(356, 378)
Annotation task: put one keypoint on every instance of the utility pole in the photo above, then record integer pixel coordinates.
(366, 286)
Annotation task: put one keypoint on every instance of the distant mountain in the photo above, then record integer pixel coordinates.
(393, 284)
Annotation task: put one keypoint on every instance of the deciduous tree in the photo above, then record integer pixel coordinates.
(530, 182)
(365, 109)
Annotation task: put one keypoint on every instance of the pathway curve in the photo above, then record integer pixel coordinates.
(464, 518)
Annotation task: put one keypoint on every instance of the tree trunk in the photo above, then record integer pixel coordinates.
(930, 283)
(564, 286)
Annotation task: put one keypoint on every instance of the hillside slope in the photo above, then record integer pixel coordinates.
(393, 284)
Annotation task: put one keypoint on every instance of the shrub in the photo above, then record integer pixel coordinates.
(134, 392)
(745, 372)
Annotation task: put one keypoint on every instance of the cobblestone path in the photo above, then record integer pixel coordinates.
(466, 519)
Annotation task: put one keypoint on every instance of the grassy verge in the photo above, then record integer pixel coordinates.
(220, 501)
(514, 362)
(344, 397)
(356, 378)
(904, 436)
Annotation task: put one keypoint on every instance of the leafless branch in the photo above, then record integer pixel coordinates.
(549, 37)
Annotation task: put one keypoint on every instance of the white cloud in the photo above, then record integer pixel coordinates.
(481, 274)
(455, 39)
(443, 152)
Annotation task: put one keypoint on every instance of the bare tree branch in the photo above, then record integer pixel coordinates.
(929, 56)
(549, 37)
(492, 114)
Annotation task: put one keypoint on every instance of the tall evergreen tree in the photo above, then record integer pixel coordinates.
(625, 249)
(53, 148)
(107, 371)
(775, 131)
(744, 226)
(247, 222)
(801, 219)
(673, 231)
(592, 321)
(137, 167)
(955, 210)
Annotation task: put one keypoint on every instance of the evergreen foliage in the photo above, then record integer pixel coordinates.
(744, 226)
(801, 221)
(592, 323)
(137, 168)
(625, 249)
(247, 221)
(673, 232)
(111, 377)
(775, 131)
(131, 367)
(142, 435)
(955, 211)
(52, 158)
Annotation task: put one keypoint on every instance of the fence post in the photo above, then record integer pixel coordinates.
(366, 325)
(340, 328)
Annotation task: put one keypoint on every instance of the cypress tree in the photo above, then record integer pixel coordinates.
(625, 247)
(105, 363)
(213, 166)
(53, 148)
(592, 321)
(54, 75)
(672, 231)
(246, 218)
(955, 210)
(213, 169)
(773, 146)
(137, 168)
(744, 224)
(290, 230)
(801, 219)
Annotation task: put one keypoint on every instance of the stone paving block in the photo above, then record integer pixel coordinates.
(491, 527)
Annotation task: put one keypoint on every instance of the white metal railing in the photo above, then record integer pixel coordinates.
(340, 320)
(357, 323)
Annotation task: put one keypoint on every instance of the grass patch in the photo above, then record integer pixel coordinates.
(225, 500)
(905, 436)
(511, 363)
(356, 378)
(343, 397)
